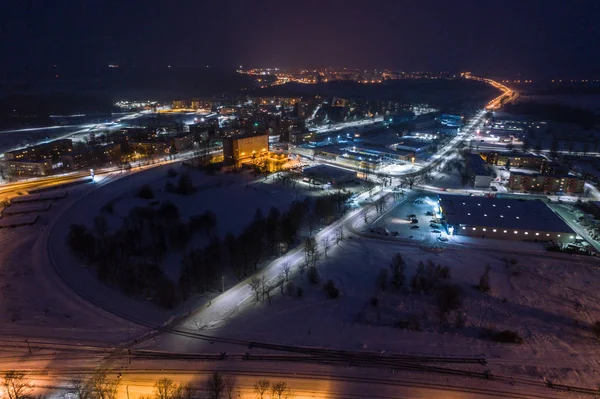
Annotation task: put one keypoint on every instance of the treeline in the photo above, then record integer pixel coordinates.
(554, 112)
(105, 384)
(130, 258)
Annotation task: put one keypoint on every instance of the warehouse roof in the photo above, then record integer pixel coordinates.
(501, 213)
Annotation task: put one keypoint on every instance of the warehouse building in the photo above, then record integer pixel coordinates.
(499, 218)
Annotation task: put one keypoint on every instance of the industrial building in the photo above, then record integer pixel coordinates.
(237, 149)
(500, 218)
(546, 183)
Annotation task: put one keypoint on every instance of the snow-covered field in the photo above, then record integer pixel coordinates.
(551, 303)
(234, 198)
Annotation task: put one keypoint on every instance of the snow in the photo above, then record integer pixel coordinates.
(233, 197)
(551, 303)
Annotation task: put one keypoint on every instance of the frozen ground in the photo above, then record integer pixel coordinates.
(551, 303)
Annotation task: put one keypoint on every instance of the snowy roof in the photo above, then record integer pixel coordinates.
(501, 213)
(326, 171)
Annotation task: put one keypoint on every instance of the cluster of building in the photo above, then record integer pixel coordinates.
(59, 155)
(322, 75)
(543, 175)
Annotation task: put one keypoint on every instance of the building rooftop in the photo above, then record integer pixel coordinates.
(502, 213)
(478, 166)
(326, 171)
(517, 154)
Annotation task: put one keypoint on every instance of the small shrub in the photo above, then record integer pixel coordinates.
(449, 298)
(300, 292)
(513, 261)
(412, 323)
(313, 275)
(374, 301)
(109, 208)
(460, 320)
(171, 172)
(331, 290)
(185, 185)
(596, 329)
(290, 288)
(146, 192)
(507, 336)
(484, 281)
(444, 272)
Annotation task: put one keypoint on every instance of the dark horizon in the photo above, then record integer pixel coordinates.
(549, 38)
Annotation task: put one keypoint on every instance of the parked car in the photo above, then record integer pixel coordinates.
(413, 221)
(414, 227)
(429, 213)
(434, 226)
(412, 216)
(394, 233)
(494, 188)
(435, 231)
(440, 238)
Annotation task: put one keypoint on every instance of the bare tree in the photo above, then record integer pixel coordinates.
(266, 289)
(230, 387)
(286, 271)
(215, 386)
(311, 253)
(103, 386)
(166, 388)
(80, 388)
(280, 283)
(255, 284)
(280, 390)
(339, 234)
(326, 244)
(188, 392)
(260, 387)
(16, 385)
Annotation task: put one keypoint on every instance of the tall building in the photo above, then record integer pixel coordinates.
(239, 149)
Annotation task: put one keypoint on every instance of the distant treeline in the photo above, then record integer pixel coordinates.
(554, 112)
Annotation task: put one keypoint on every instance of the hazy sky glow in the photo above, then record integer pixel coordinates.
(551, 37)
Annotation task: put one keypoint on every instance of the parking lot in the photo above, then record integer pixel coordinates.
(412, 218)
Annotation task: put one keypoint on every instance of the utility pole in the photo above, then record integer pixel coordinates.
(28, 346)
(223, 283)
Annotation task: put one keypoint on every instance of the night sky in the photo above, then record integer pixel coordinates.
(502, 37)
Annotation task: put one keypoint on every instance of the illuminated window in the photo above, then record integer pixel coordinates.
(526, 233)
(547, 235)
(516, 231)
(474, 229)
(494, 230)
(537, 234)
(464, 227)
(484, 229)
(558, 235)
(505, 231)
